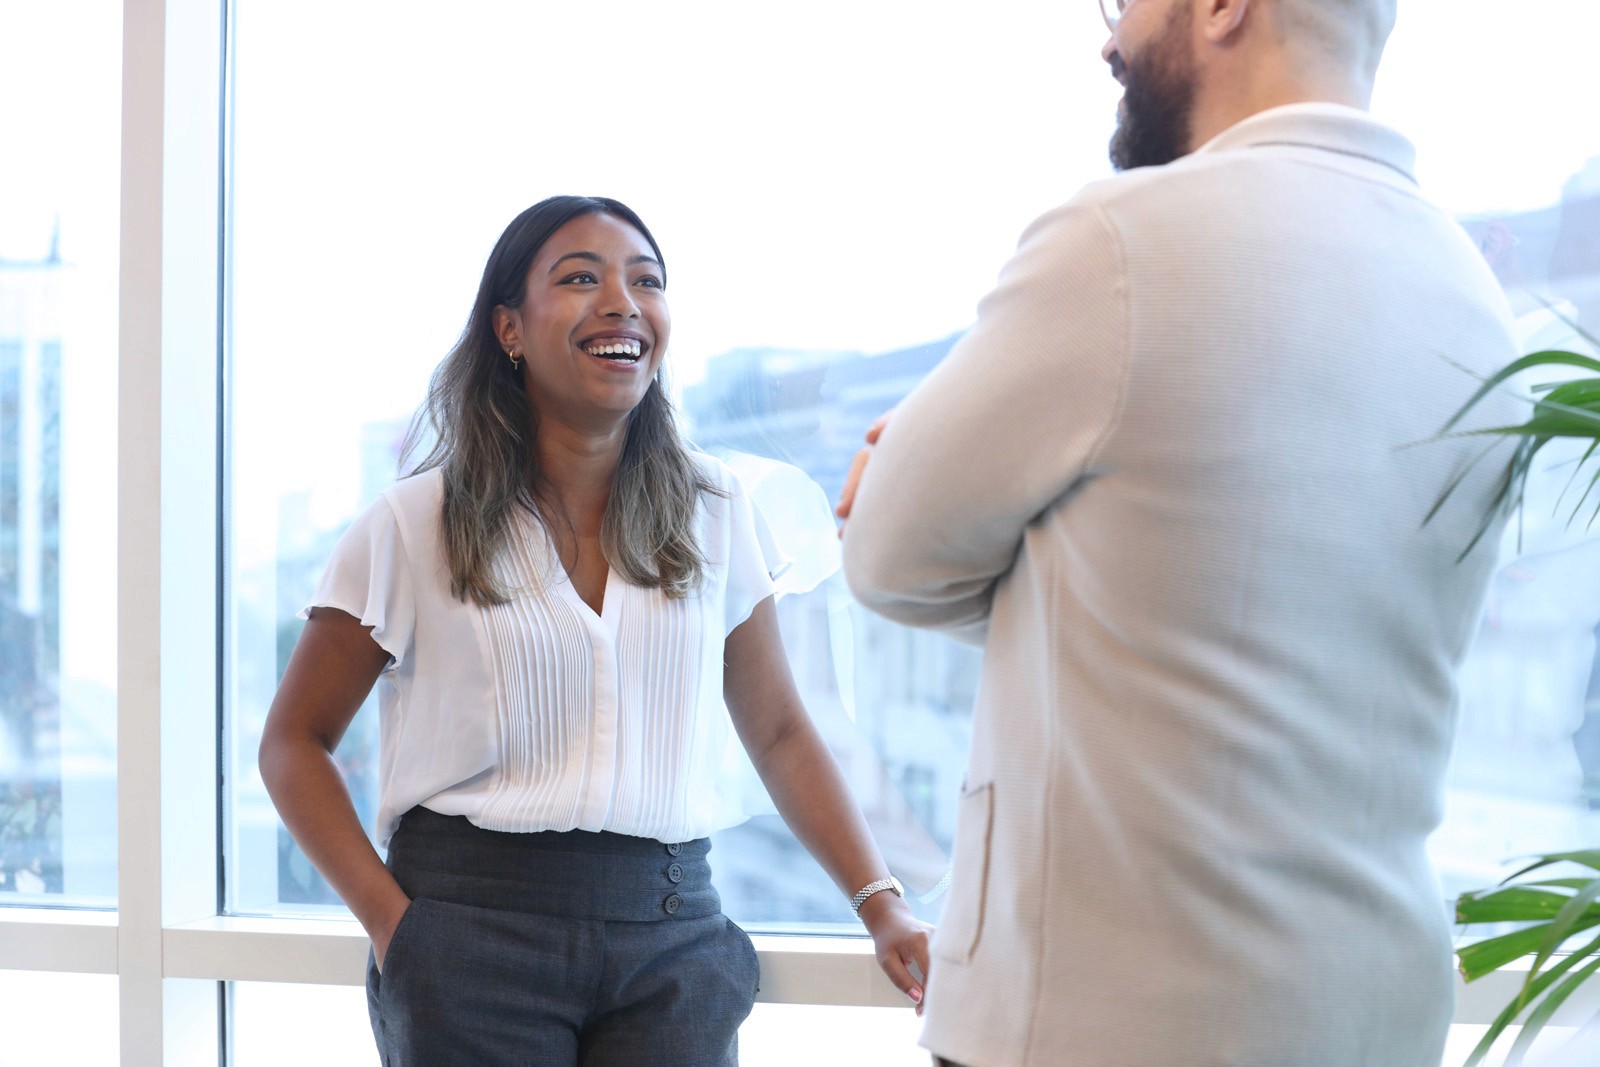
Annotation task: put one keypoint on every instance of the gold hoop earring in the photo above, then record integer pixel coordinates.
(516, 360)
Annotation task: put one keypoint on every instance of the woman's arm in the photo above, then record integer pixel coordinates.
(811, 794)
(330, 673)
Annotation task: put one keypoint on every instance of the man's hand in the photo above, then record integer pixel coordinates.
(847, 496)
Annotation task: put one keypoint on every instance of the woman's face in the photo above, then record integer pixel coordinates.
(593, 325)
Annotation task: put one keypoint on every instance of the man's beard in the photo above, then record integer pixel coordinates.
(1158, 99)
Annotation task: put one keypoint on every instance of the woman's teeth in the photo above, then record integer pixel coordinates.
(627, 351)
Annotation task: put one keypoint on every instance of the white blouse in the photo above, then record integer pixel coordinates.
(539, 714)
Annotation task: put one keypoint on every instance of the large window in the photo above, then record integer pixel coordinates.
(834, 190)
(830, 215)
(58, 339)
(1499, 145)
(831, 206)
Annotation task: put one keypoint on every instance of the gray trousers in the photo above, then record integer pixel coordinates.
(591, 949)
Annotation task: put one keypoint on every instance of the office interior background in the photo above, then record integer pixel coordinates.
(237, 235)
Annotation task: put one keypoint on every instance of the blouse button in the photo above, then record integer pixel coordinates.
(674, 848)
(672, 904)
(675, 873)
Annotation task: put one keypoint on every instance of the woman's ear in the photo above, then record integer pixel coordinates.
(507, 328)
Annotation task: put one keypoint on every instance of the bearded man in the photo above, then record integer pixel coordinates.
(1163, 483)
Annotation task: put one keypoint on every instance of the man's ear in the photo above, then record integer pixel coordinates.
(1220, 20)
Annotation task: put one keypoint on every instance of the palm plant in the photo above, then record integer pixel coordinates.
(1569, 409)
(1556, 910)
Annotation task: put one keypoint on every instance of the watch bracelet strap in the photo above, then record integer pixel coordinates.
(868, 890)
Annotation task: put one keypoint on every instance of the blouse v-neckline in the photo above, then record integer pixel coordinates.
(609, 591)
(605, 613)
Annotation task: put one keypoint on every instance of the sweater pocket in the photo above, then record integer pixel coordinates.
(961, 925)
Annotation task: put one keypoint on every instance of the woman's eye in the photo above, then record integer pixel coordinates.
(650, 281)
(583, 277)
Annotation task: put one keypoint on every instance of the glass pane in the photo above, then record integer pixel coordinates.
(58, 1018)
(1525, 182)
(330, 1025)
(894, 704)
(340, 344)
(58, 396)
(829, 238)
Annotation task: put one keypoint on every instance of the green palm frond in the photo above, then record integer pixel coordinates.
(1565, 410)
(1556, 911)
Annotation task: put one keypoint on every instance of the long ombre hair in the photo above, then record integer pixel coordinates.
(483, 428)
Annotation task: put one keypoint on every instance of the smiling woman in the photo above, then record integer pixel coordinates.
(547, 794)
(597, 288)
(527, 391)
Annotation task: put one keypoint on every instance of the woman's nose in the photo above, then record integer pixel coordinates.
(619, 301)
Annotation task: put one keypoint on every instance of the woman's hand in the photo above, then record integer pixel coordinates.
(381, 932)
(333, 668)
(810, 793)
(901, 941)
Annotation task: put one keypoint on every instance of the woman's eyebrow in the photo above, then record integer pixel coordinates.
(594, 257)
(588, 257)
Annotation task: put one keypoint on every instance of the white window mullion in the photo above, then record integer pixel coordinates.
(167, 769)
(138, 536)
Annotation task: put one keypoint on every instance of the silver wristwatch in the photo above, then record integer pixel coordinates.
(892, 884)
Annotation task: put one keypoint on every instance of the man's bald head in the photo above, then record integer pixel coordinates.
(1348, 34)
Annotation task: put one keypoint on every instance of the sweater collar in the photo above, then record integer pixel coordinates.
(1329, 127)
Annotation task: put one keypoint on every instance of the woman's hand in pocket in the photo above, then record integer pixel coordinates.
(381, 930)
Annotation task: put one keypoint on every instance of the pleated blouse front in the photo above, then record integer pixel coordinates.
(539, 713)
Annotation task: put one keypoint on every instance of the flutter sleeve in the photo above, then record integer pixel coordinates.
(369, 577)
(754, 559)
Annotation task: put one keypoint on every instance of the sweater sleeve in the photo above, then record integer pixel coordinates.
(1002, 430)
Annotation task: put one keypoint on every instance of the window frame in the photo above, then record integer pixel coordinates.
(168, 943)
